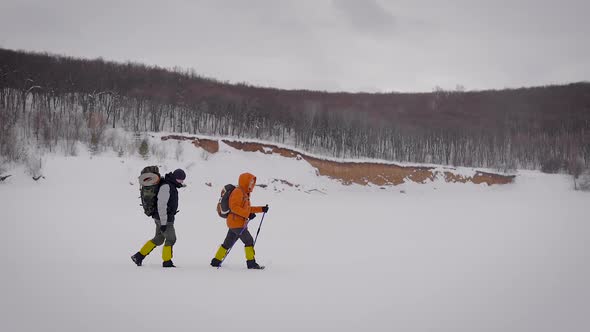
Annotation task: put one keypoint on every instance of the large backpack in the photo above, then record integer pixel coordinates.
(149, 184)
(223, 209)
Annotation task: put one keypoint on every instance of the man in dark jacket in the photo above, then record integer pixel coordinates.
(164, 219)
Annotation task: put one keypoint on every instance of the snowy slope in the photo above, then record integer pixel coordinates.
(435, 257)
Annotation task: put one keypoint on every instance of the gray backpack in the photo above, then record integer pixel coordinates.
(149, 184)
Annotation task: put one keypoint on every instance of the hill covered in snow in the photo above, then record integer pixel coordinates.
(47, 98)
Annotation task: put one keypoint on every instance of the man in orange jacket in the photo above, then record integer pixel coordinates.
(237, 221)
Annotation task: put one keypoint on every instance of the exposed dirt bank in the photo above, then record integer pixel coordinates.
(352, 172)
(211, 146)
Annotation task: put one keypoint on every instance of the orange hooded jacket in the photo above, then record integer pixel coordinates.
(239, 202)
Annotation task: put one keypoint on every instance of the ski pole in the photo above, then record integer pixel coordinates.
(258, 231)
(228, 250)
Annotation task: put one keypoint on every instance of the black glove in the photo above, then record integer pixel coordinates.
(265, 208)
(251, 216)
(163, 228)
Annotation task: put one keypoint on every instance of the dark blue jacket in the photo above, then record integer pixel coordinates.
(167, 201)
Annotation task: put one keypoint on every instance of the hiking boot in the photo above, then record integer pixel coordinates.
(215, 262)
(137, 258)
(253, 265)
(168, 264)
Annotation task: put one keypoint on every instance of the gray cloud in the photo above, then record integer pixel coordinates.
(366, 16)
(329, 45)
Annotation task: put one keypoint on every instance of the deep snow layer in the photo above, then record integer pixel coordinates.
(435, 257)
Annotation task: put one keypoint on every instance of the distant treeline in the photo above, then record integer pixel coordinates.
(47, 99)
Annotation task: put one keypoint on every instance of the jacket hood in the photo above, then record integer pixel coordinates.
(247, 182)
(170, 179)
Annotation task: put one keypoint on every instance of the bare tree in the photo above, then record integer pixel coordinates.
(575, 169)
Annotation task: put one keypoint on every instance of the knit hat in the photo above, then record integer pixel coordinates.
(179, 174)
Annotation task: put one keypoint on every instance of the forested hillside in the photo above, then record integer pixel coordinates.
(52, 100)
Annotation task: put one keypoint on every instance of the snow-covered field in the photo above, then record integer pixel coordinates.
(434, 257)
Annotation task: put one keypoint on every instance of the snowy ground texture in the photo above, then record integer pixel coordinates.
(435, 257)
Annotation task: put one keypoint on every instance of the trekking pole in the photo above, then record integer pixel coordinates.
(258, 231)
(228, 250)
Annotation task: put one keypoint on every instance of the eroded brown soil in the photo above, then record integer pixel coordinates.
(352, 172)
(211, 146)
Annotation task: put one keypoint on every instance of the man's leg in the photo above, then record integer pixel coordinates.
(246, 237)
(149, 246)
(170, 236)
(230, 240)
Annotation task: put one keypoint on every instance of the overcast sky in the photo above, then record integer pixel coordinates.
(333, 45)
